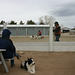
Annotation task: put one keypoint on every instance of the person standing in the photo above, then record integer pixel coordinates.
(57, 31)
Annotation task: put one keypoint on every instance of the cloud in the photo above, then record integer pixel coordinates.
(65, 10)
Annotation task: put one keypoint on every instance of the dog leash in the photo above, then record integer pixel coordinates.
(20, 60)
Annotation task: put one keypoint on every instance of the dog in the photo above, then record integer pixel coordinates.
(36, 37)
(31, 37)
(29, 65)
(40, 37)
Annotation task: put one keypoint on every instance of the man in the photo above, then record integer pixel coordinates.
(6, 43)
(57, 31)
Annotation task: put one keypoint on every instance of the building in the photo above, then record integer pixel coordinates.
(22, 30)
(72, 32)
(65, 30)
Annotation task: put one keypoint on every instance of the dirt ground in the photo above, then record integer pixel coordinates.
(63, 38)
(47, 63)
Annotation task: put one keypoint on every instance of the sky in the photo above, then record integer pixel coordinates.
(62, 10)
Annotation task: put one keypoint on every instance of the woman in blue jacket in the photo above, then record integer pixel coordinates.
(6, 43)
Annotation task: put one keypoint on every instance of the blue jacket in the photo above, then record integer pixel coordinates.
(6, 43)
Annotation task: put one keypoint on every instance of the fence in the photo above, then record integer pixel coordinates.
(39, 46)
(31, 30)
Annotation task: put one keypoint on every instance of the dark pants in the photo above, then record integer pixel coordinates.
(57, 37)
(12, 60)
(40, 34)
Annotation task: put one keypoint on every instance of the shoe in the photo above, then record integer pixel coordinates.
(12, 65)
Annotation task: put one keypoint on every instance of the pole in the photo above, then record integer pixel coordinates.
(51, 33)
(51, 38)
(26, 32)
(44, 31)
(5, 26)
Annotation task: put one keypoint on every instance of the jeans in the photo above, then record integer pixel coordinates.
(12, 61)
(57, 37)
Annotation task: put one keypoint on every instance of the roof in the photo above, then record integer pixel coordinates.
(66, 28)
(26, 25)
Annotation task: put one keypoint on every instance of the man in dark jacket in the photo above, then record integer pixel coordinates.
(6, 43)
(57, 31)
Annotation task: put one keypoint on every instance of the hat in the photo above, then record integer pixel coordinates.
(6, 33)
(56, 23)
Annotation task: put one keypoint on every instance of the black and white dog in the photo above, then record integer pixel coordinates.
(29, 65)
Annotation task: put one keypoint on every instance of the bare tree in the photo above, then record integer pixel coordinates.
(41, 22)
(45, 19)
